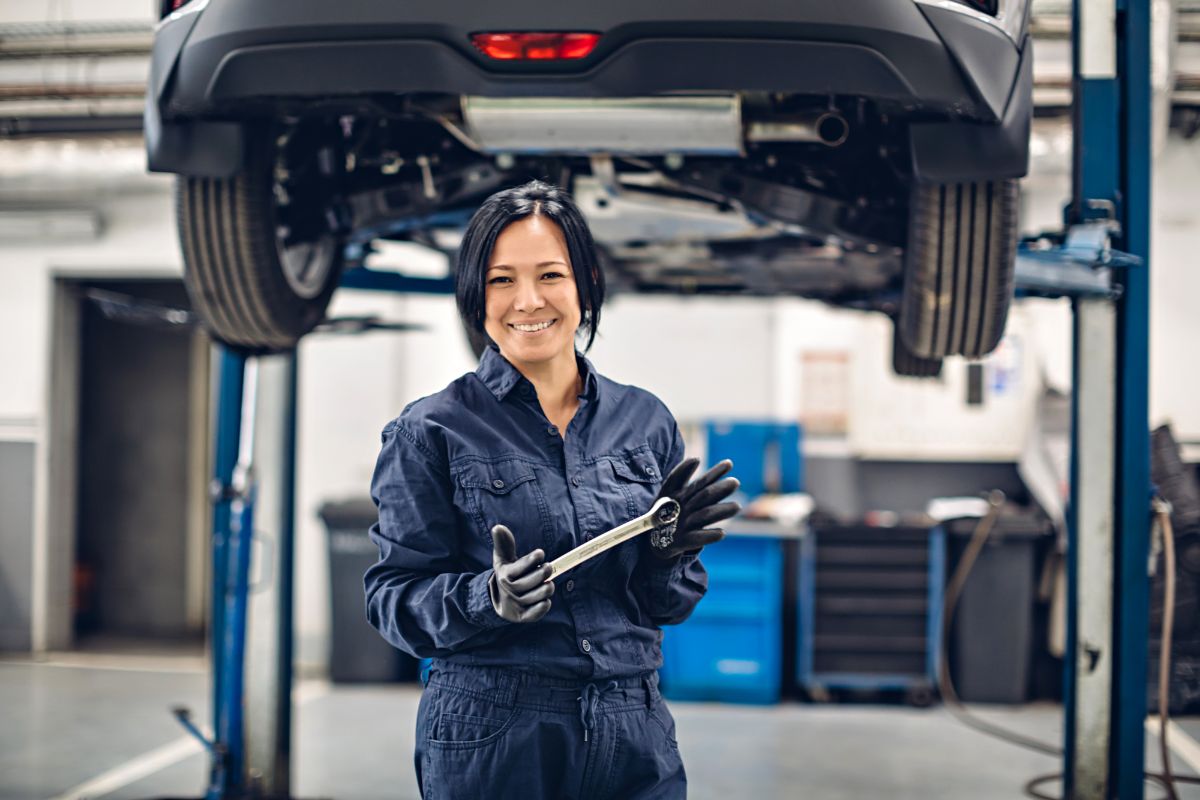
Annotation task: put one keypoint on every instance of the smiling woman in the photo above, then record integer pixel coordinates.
(538, 688)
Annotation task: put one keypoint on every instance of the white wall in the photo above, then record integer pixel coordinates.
(906, 419)
(703, 356)
(1174, 276)
(348, 388)
(1175, 290)
(137, 239)
(77, 10)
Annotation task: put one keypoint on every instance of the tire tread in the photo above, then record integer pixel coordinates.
(958, 268)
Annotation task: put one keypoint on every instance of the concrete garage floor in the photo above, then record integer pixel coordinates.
(97, 727)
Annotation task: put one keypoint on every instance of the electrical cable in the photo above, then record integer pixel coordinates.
(955, 706)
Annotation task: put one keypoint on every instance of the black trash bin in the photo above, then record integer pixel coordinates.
(991, 638)
(357, 652)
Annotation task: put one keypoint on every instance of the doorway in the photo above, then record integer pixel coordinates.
(139, 579)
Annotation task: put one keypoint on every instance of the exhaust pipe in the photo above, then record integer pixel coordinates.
(824, 127)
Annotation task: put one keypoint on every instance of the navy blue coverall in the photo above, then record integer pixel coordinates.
(568, 706)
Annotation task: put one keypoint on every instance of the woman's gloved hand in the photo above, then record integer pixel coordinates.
(518, 587)
(699, 506)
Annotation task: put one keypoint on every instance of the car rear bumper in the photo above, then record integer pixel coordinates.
(207, 64)
(893, 49)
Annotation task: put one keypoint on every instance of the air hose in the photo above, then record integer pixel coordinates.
(1166, 779)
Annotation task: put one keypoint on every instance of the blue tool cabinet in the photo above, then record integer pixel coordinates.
(870, 608)
(730, 649)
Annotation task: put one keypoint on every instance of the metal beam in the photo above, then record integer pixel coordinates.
(1133, 412)
(229, 422)
(380, 281)
(1091, 544)
(268, 694)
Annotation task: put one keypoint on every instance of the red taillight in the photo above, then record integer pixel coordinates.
(535, 46)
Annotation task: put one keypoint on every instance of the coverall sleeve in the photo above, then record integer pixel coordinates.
(418, 596)
(669, 590)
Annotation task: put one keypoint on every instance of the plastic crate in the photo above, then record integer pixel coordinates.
(765, 455)
(730, 648)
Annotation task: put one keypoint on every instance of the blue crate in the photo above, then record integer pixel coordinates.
(730, 649)
(765, 455)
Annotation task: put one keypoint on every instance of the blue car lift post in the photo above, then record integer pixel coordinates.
(1109, 515)
(237, 769)
(1109, 518)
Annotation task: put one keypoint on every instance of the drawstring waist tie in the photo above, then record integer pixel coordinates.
(588, 702)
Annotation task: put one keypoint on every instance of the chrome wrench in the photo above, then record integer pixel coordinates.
(664, 513)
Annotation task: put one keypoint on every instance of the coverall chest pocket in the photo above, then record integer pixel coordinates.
(637, 476)
(508, 493)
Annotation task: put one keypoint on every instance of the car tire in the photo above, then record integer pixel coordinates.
(908, 364)
(958, 273)
(252, 291)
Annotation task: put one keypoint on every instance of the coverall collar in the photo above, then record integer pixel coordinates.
(500, 376)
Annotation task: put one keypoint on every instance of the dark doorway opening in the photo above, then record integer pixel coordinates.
(140, 568)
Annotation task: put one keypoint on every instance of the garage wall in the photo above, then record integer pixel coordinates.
(1174, 278)
(77, 10)
(1175, 291)
(135, 238)
(350, 387)
(16, 544)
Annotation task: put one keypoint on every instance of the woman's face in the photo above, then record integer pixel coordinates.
(529, 283)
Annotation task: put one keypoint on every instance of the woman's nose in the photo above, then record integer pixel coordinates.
(529, 296)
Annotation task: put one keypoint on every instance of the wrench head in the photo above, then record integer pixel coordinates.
(667, 513)
(665, 520)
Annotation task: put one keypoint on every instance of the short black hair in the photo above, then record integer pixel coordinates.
(536, 198)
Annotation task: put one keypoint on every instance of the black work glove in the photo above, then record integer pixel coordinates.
(699, 506)
(518, 587)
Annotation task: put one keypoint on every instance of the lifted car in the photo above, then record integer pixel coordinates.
(861, 152)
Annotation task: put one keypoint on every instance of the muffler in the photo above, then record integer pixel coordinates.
(617, 126)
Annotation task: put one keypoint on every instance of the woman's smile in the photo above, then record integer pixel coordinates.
(532, 328)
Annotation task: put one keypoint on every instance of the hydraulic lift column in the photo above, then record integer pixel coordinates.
(1108, 611)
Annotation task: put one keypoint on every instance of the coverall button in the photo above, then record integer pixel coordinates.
(499, 484)
(586, 645)
(570, 586)
(575, 481)
(587, 535)
(553, 431)
(650, 471)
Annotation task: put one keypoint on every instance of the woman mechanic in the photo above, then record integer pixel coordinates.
(537, 689)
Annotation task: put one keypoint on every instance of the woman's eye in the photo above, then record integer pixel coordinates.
(495, 280)
(552, 274)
